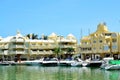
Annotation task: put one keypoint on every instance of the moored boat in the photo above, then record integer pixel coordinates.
(65, 62)
(92, 63)
(4, 63)
(50, 62)
(110, 64)
(77, 63)
(33, 62)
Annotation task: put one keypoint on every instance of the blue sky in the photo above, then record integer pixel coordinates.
(59, 16)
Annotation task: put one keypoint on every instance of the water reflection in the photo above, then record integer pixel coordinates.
(112, 75)
(56, 73)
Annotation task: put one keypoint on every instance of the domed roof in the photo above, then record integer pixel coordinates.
(53, 35)
(102, 27)
(17, 36)
(70, 36)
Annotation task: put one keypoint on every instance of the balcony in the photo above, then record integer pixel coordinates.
(17, 52)
(4, 47)
(42, 46)
(17, 46)
(33, 52)
(67, 46)
(41, 52)
(17, 40)
(47, 47)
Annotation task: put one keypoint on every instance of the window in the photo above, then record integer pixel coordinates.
(100, 48)
(89, 48)
(85, 42)
(114, 47)
(94, 41)
(100, 41)
(114, 40)
(94, 48)
(20, 38)
(14, 37)
(34, 50)
(114, 35)
(106, 48)
(107, 34)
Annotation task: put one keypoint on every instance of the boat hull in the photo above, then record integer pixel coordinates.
(110, 67)
(49, 63)
(92, 64)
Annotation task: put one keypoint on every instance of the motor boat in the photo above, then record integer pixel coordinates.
(110, 64)
(50, 62)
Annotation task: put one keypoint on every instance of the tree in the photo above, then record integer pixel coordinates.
(28, 35)
(45, 37)
(70, 50)
(57, 51)
(32, 36)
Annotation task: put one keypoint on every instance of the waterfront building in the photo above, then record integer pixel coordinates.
(23, 48)
(100, 43)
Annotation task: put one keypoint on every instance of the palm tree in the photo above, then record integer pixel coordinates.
(70, 50)
(32, 36)
(28, 35)
(57, 51)
(45, 37)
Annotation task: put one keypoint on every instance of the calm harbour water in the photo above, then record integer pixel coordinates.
(56, 73)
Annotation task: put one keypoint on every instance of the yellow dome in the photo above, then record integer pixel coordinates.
(102, 27)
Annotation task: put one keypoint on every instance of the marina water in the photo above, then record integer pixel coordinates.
(56, 73)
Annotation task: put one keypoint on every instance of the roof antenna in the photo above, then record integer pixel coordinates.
(89, 31)
(81, 33)
(18, 32)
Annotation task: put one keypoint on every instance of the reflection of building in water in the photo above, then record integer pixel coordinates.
(100, 43)
(112, 75)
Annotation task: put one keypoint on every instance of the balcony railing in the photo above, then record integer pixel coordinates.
(85, 51)
(67, 46)
(17, 46)
(17, 52)
(3, 47)
(17, 40)
(41, 52)
(42, 46)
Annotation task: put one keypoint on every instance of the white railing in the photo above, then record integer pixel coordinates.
(34, 52)
(17, 40)
(17, 52)
(41, 52)
(42, 46)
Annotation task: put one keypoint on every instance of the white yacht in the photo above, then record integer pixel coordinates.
(110, 64)
(50, 62)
